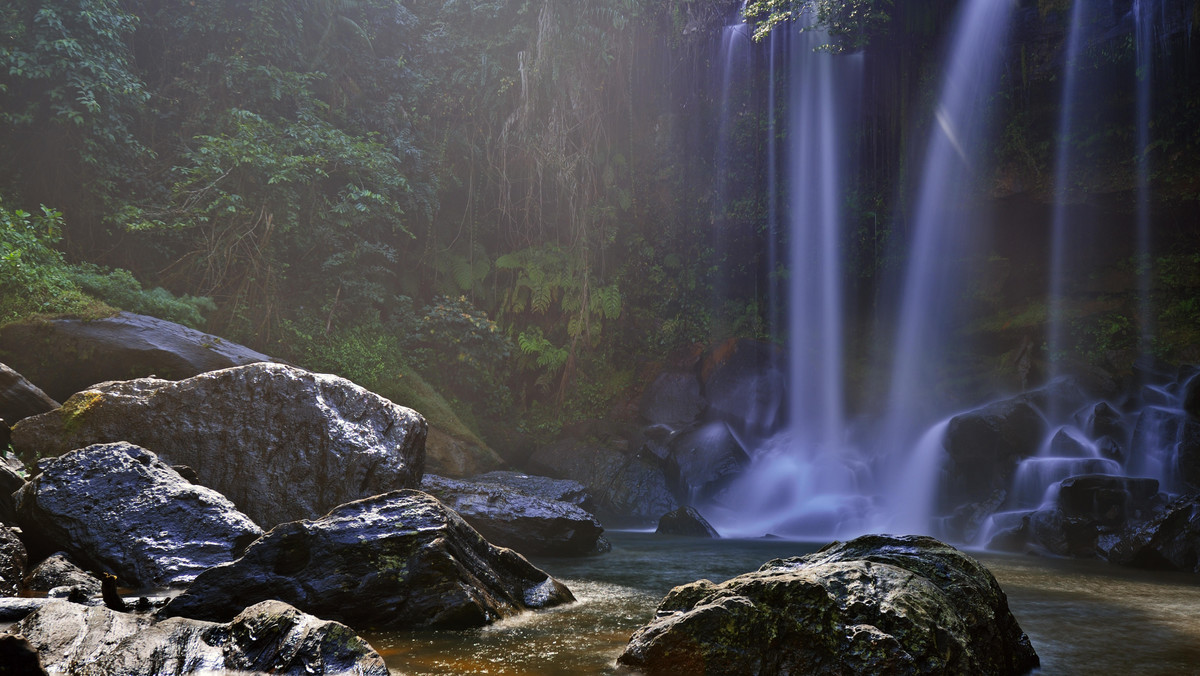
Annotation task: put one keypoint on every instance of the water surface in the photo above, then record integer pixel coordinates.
(1082, 616)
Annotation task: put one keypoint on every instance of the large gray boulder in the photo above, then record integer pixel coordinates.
(626, 486)
(281, 442)
(544, 487)
(20, 398)
(64, 356)
(123, 511)
(704, 461)
(268, 637)
(397, 561)
(877, 604)
(510, 518)
(673, 399)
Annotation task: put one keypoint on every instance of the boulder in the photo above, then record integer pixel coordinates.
(121, 510)
(704, 461)
(627, 487)
(281, 442)
(1108, 500)
(1154, 435)
(1191, 397)
(402, 560)
(268, 637)
(1105, 421)
(10, 482)
(984, 447)
(18, 657)
(1169, 541)
(13, 560)
(673, 399)
(1064, 445)
(64, 356)
(876, 604)
(20, 398)
(686, 521)
(1111, 449)
(745, 384)
(511, 518)
(1187, 453)
(58, 572)
(966, 521)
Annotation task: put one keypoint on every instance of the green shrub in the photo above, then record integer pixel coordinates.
(119, 288)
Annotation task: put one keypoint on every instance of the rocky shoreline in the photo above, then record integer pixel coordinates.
(289, 512)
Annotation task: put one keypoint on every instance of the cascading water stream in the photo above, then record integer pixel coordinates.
(1142, 13)
(941, 238)
(1059, 264)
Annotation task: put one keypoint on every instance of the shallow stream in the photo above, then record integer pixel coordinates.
(1084, 617)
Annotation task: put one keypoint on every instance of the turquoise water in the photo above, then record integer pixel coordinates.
(1083, 617)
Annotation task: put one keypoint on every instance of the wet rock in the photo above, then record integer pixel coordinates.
(1155, 433)
(281, 442)
(268, 637)
(57, 571)
(510, 518)
(876, 604)
(673, 399)
(121, 510)
(1111, 449)
(1105, 421)
(704, 461)
(1187, 453)
(13, 560)
(1169, 541)
(626, 486)
(1063, 445)
(686, 521)
(745, 385)
(10, 482)
(966, 521)
(397, 561)
(1191, 397)
(984, 447)
(20, 398)
(1108, 500)
(554, 490)
(18, 657)
(64, 356)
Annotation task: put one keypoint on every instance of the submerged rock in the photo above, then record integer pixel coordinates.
(268, 637)
(877, 604)
(526, 523)
(89, 351)
(397, 561)
(686, 521)
(281, 442)
(20, 399)
(122, 510)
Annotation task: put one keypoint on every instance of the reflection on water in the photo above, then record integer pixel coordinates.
(1082, 616)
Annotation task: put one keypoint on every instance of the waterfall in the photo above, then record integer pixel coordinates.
(940, 240)
(805, 481)
(1059, 265)
(1144, 38)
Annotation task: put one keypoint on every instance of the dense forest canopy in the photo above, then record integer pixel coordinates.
(512, 197)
